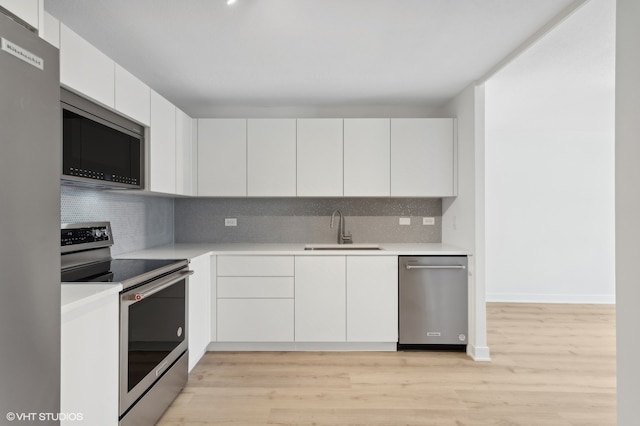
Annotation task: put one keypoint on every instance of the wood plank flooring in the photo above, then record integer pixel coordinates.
(551, 365)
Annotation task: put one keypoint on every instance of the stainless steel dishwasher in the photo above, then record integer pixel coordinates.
(433, 302)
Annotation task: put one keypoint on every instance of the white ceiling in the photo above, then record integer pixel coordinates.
(204, 55)
(565, 82)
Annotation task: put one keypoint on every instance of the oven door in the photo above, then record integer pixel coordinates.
(153, 333)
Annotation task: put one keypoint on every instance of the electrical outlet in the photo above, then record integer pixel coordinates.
(405, 221)
(428, 220)
(230, 221)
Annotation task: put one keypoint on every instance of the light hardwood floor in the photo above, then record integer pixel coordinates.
(551, 365)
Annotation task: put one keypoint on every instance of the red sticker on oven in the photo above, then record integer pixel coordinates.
(138, 296)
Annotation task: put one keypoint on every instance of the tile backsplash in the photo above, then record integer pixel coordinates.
(306, 220)
(142, 221)
(137, 221)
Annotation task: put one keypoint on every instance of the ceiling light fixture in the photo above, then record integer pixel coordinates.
(230, 2)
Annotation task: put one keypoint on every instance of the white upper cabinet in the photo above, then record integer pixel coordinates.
(184, 154)
(422, 157)
(27, 10)
(162, 146)
(133, 97)
(366, 157)
(271, 157)
(222, 157)
(86, 70)
(319, 152)
(51, 31)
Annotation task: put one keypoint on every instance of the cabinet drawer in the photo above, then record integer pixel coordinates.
(255, 266)
(255, 320)
(255, 287)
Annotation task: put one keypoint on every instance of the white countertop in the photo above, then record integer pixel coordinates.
(190, 251)
(78, 295)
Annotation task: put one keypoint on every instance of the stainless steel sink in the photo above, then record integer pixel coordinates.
(342, 247)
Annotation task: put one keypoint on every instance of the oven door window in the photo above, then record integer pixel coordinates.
(156, 327)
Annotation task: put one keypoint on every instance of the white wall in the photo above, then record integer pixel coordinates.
(550, 166)
(463, 216)
(627, 209)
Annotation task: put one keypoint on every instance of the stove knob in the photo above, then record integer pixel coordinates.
(97, 233)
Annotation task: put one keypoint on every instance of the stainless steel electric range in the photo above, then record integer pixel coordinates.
(153, 317)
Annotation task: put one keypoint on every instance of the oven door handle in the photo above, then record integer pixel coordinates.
(157, 286)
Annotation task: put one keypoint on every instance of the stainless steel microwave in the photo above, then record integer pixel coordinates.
(99, 147)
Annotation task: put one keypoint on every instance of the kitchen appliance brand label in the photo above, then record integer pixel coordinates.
(23, 54)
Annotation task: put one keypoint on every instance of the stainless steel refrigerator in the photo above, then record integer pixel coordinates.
(30, 164)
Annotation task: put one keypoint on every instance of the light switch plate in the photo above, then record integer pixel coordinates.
(428, 220)
(405, 221)
(230, 221)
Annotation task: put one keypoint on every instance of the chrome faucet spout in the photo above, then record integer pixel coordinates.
(343, 238)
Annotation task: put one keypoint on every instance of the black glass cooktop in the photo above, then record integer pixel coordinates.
(126, 271)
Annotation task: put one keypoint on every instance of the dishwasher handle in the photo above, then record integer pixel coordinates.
(408, 266)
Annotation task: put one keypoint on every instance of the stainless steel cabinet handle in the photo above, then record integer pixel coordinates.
(435, 267)
(158, 286)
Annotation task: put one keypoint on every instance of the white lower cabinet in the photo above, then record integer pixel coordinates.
(255, 299)
(320, 299)
(89, 362)
(372, 298)
(306, 299)
(199, 308)
(255, 320)
(213, 301)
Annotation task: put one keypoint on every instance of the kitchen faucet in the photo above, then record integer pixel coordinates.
(343, 238)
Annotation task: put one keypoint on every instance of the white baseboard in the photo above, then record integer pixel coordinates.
(479, 353)
(302, 346)
(601, 299)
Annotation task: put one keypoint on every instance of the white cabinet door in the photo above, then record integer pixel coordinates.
(255, 266)
(213, 328)
(320, 299)
(199, 308)
(89, 362)
(319, 152)
(372, 298)
(271, 159)
(422, 157)
(162, 145)
(27, 10)
(133, 97)
(255, 320)
(86, 70)
(222, 157)
(184, 154)
(366, 157)
(51, 30)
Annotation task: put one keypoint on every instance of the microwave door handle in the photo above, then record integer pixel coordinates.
(157, 286)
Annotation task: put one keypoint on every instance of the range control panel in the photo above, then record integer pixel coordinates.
(86, 233)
